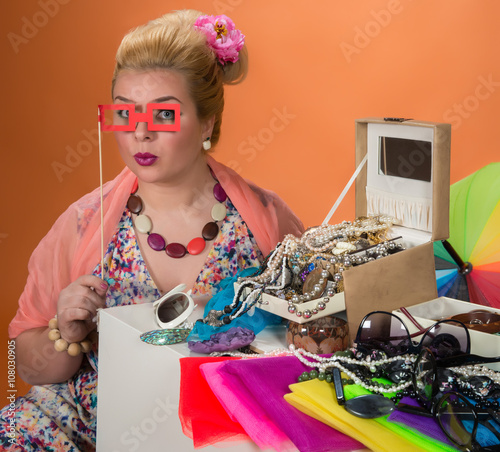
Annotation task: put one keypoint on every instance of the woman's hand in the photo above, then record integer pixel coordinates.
(77, 307)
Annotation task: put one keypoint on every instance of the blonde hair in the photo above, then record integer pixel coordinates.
(171, 42)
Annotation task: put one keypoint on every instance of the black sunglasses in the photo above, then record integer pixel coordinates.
(386, 332)
(461, 421)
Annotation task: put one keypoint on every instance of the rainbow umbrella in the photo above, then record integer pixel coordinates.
(468, 263)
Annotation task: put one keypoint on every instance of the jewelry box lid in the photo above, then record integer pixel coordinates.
(406, 176)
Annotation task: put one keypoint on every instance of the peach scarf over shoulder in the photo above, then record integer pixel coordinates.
(72, 247)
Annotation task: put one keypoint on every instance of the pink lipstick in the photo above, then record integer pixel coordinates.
(145, 159)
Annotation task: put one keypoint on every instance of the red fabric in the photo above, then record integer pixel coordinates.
(202, 417)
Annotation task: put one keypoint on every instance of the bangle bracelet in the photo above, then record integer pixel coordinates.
(73, 348)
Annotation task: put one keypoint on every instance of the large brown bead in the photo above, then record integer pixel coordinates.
(134, 204)
(210, 231)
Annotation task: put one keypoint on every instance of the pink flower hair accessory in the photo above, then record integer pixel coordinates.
(222, 37)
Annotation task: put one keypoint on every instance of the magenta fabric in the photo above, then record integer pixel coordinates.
(264, 382)
(422, 424)
(243, 409)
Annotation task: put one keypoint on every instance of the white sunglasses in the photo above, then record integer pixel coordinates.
(174, 307)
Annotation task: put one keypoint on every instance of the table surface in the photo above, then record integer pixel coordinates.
(138, 390)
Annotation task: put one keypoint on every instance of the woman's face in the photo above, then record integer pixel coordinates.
(160, 156)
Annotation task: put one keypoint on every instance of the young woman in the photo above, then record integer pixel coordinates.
(173, 215)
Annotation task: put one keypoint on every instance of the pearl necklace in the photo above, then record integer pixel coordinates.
(322, 364)
(326, 236)
(273, 262)
(237, 308)
(327, 243)
(478, 371)
(144, 225)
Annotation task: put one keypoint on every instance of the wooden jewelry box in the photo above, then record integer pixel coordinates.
(406, 175)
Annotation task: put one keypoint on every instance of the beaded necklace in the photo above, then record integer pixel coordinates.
(245, 298)
(475, 381)
(319, 257)
(326, 243)
(144, 225)
(321, 364)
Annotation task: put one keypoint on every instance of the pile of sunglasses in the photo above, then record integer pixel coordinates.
(449, 340)
(461, 420)
(441, 347)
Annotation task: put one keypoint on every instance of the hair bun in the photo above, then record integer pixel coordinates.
(235, 73)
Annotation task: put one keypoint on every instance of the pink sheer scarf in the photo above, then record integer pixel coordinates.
(72, 247)
(242, 408)
(254, 389)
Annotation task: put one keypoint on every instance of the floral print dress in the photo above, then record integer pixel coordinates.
(62, 417)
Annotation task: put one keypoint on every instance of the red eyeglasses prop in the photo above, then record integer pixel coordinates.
(160, 117)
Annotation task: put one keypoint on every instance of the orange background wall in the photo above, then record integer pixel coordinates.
(315, 67)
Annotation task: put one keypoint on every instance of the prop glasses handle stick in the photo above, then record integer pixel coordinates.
(101, 194)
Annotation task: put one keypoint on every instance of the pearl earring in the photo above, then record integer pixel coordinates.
(207, 144)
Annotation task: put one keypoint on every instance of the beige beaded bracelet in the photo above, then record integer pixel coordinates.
(73, 348)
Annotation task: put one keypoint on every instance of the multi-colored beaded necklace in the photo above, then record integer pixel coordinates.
(144, 225)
